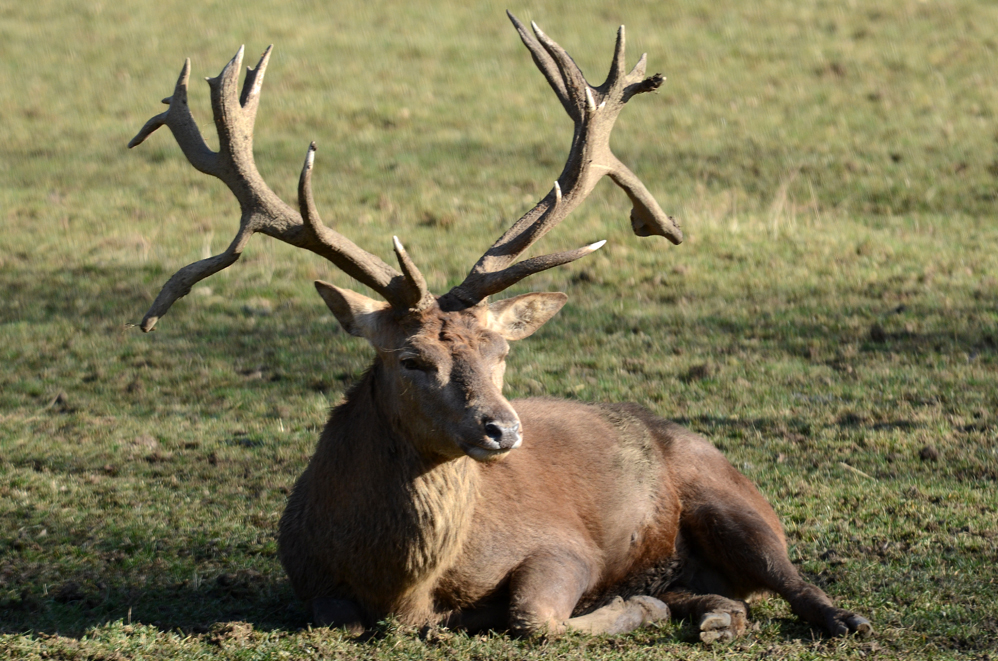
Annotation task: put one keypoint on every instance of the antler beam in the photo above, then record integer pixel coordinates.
(594, 111)
(262, 211)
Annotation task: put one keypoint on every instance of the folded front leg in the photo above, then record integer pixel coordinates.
(545, 589)
(620, 616)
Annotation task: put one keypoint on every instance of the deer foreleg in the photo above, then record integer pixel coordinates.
(545, 589)
(620, 616)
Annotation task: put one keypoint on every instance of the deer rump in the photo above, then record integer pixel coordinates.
(432, 497)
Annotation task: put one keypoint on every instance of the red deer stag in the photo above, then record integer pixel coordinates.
(430, 495)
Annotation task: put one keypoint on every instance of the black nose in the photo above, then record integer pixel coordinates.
(505, 434)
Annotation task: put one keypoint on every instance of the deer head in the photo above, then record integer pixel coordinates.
(440, 360)
(443, 370)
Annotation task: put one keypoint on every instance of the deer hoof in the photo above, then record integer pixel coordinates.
(859, 625)
(843, 623)
(652, 609)
(722, 637)
(721, 627)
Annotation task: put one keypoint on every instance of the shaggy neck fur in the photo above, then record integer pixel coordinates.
(416, 507)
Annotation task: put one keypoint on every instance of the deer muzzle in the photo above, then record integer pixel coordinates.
(506, 435)
(497, 437)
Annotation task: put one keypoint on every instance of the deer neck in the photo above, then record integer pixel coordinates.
(425, 504)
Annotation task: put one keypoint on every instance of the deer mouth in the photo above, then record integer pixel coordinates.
(489, 448)
(481, 453)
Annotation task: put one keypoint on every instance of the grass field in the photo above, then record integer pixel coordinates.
(831, 321)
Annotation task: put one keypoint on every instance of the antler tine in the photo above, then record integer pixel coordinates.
(261, 210)
(594, 111)
(341, 251)
(233, 124)
(418, 295)
(638, 72)
(250, 97)
(179, 285)
(575, 83)
(616, 75)
(180, 122)
(545, 63)
(493, 283)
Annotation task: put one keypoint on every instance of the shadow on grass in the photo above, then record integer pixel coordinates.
(793, 332)
(97, 297)
(719, 427)
(791, 428)
(80, 324)
(76, 607)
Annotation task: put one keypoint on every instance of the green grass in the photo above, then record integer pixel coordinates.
(833, 312)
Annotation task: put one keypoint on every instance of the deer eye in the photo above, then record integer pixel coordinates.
(412, 364)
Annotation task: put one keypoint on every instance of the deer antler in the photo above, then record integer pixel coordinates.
(262, 211)
(594, 111)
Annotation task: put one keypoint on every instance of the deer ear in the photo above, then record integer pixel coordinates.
(518, 317)
(355, 312)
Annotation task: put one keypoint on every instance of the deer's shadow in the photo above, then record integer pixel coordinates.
(190, 606)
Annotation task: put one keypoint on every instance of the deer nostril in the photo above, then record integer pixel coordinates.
(507, 436)
(493, 431)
